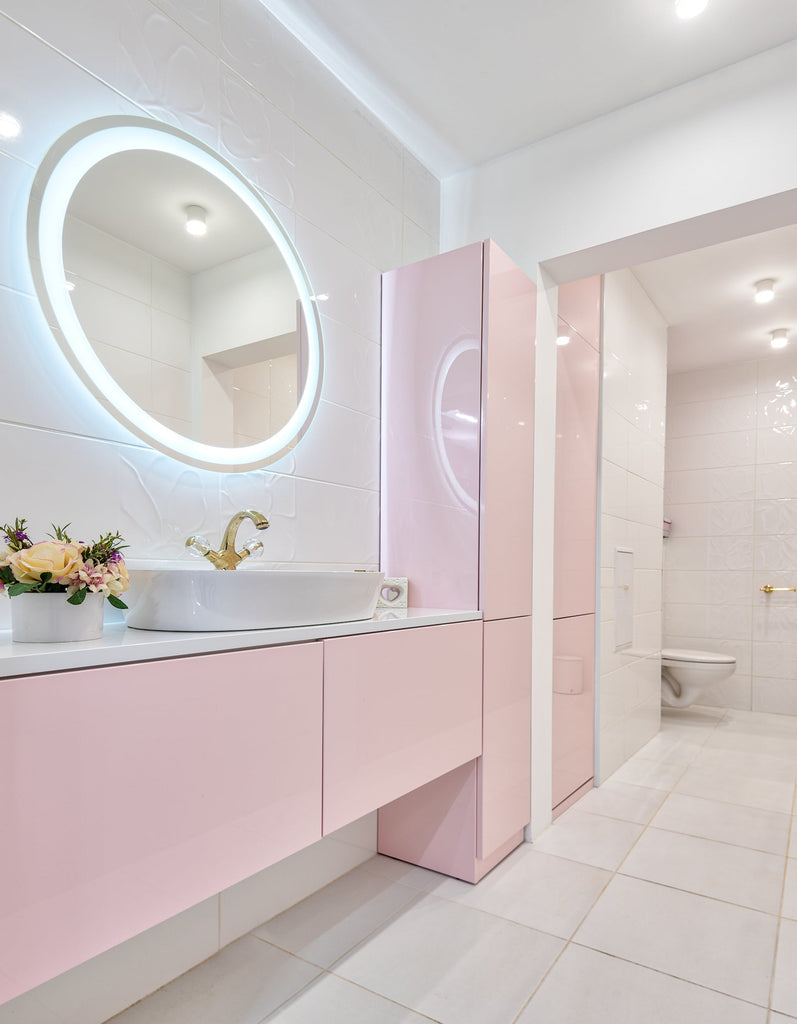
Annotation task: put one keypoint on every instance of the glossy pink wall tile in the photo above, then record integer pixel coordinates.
(505, 767)
(510, 310)
(140, 789)
(580, 307)
(576, 486)
(431, 345)
(400, 708)
(573, 704)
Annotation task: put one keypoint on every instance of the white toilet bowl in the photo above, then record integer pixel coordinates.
(686, 674)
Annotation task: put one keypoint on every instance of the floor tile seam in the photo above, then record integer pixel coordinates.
(690, 892)
(780, 925)
(735, 803)
(668, 974)
(542, 981)
(626, 821)
(722, 842)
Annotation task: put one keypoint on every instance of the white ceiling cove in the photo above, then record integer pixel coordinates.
(464, 81)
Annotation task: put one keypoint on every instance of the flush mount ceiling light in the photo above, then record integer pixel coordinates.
(195, 220)
(9, 126)
(764, 290)
(563, 339)
(780, 337)
(689, 8)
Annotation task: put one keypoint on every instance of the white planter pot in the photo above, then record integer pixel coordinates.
(51, 619)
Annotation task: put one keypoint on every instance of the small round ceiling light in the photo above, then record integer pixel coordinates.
(764, 290)
(9, 126)
(689, 8)
(563, 339)
(780, 337)
(196, 220)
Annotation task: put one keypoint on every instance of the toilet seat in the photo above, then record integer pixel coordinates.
(679, 655)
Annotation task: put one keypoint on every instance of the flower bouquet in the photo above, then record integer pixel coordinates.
(86, 572)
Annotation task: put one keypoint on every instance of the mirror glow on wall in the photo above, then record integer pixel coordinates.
(207, 346)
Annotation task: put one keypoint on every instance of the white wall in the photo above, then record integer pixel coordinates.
(354, 201)
(632, 482)
(731, 491)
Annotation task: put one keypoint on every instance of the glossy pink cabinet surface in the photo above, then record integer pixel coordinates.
(580, 307)
(573, 705)
(400, 708)
(457, 430)
(133, 792)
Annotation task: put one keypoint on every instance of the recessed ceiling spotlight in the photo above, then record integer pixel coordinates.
(780, 338)
(563, 339)
(765, 290)
(689, 8)
(195, 223)
(9, 126)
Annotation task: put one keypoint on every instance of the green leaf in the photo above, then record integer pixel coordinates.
(79, 596)
(46, 577)
(21, 588)
(117, 602)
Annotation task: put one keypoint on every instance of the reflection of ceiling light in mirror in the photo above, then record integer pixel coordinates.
(780, 337)
(322, 297)
(69, 285)
(764, 290)
(563, 339)
(9, 126)
(689, 8)
(195, 223)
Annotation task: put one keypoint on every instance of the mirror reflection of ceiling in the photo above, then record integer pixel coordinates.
(141, 196)
(706, 297)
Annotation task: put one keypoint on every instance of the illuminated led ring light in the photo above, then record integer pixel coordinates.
(56, 191)
(459, 348)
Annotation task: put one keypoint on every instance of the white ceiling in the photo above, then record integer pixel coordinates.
(464, 81)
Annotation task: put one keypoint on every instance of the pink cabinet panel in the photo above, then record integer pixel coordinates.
(576, 486)
(505, 767)
(431, 394)
(580, 307)
(138, 790)
(573, 704)
(400, 708)
(510, 311)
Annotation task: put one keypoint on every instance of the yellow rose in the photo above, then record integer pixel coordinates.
(48, 556)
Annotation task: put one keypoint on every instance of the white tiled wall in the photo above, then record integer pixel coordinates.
(632, 479)
(731, 491)
(355, 202)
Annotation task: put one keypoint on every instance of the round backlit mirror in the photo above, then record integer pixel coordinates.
(175, 293)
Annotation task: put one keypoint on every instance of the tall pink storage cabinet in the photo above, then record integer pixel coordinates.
(575, 540)
(458, 336)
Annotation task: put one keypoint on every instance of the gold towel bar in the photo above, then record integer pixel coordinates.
(771, 590)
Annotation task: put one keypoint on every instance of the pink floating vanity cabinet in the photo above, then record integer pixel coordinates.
(458, 336)
(575, 540)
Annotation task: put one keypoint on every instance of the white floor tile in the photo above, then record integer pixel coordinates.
(240, 985)
(715, 944)
(779, 1018)
(715, 784)
(624, 801)
(671, 748)
(790, 890)
(752, 765)
(332, 921)
(333, 1001)
(455, 964)
(784, 991)
(737, 875)
(544, 892)
(406, 874)
(726, 823)
(639, 771)
(589, 838)
(587, 987)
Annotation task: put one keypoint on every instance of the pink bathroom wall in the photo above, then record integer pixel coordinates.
(580, 305)
(510, 310)
(431, 354)
(573, 704)
(576, 480)
(141, 789)
(400, 708)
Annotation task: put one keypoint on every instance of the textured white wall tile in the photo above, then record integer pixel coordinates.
(343, 447)
(421, 193)
(776, 480)
(259, 49)
(17, 178)
(352, 366)
(777, 444)
(734, 483)
(775, 619)
(776, 516)
(777, 660)
(735, 692)
(776, 696)
(778, 374)
(416, 244)
(712, 451)
(715, 416)
(198, 17)
(776, 553)
(728, 554)
(716, 382)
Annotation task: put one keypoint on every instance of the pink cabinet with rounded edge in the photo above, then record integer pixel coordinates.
(133, 792)
(400, 708)
(457, 471)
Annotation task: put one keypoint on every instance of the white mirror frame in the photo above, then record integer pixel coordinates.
(59, 175)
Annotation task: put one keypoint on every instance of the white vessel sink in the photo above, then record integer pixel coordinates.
(206, 599)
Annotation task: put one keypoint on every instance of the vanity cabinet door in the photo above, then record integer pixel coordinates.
(400, 708)
(139, 790)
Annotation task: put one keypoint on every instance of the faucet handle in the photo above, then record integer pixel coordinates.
(253, 547)
(198, 545)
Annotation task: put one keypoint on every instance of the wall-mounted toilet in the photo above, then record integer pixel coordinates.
(686, 674)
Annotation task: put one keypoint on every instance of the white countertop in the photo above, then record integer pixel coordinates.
(120, 644)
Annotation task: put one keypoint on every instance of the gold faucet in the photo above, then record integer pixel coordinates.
(228, 557)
